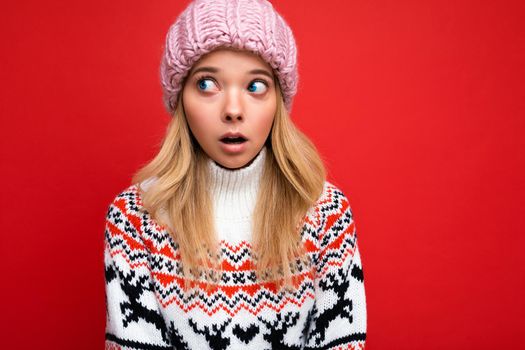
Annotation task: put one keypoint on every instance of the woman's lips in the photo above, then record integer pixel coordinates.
(233, 147)
(232, 134)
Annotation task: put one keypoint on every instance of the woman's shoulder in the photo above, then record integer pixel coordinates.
(333, 200)
(336, 227)
(124, 228)
(127, 215)
(331, 206)
(127, 201)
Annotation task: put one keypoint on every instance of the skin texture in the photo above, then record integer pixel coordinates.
(230, 99)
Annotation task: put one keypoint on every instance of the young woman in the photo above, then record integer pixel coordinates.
(231, 237)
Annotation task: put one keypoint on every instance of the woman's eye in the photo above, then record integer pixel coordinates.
(257, 84)
(204, 83)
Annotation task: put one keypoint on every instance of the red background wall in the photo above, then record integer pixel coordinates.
(417, 107)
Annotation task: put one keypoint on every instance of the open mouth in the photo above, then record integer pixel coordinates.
(233, 140)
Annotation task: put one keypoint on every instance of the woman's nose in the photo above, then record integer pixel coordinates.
(233, 106)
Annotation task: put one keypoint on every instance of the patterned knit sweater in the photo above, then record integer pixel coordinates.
(146, 308)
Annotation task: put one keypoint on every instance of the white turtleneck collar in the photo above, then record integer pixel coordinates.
(234, 192)
(234, 195)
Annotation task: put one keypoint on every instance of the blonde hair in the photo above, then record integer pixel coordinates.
(292, 181)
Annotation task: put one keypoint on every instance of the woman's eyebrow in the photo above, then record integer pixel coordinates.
(205, 69)
(215, 70)
(261, 71)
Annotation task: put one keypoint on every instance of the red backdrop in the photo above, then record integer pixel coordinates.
(417, 107)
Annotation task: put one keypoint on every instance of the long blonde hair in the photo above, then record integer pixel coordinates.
(292, 181)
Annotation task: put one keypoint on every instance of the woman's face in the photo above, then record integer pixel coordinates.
(229, 91)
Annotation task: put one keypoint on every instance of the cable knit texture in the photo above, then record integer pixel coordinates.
(146, 308)
(205, 25)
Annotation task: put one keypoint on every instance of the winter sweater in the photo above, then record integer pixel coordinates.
(145, 306)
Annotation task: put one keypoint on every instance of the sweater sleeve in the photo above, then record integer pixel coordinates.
(133, 316)
(338, 318)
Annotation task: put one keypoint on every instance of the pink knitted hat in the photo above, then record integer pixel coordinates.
(205, 25)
